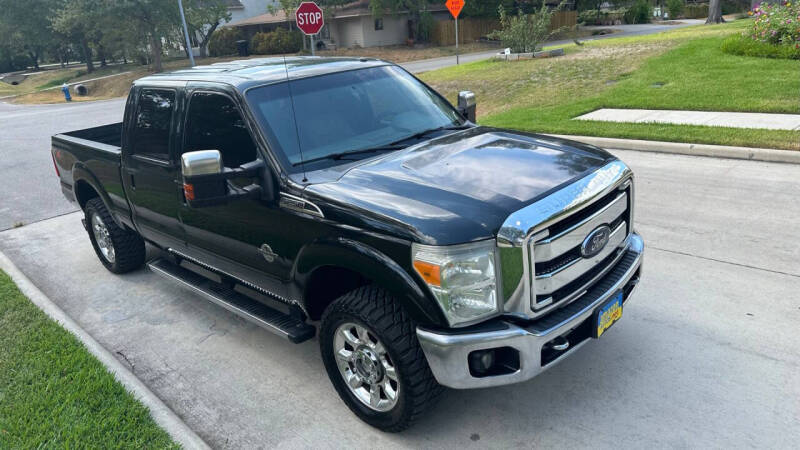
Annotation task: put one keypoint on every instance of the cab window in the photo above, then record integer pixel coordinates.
(153, 122)
(213, 122)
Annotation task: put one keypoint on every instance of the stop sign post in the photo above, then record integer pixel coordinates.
(455, 7)
(310, 20)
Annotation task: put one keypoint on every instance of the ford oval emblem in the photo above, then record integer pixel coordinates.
(596, 241)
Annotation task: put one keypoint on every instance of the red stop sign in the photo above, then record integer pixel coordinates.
(309, 18)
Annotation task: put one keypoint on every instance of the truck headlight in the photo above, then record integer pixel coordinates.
(461, 277)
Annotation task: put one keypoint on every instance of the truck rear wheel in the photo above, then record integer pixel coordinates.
(119, 249)
(370, 350)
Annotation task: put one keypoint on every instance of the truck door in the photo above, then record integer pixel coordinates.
(232, 237)
(149, 173)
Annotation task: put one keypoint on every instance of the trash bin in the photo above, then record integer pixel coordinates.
(241, 46)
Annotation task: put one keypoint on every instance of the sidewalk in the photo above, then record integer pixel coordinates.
(707, 118)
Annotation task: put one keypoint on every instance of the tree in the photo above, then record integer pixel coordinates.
(203, 17)
(78, 21)
(29, 22)
(154, 19)
(715, 12)
(487, 8)
(524, 33)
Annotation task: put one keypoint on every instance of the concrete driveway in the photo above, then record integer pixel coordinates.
(707, 353)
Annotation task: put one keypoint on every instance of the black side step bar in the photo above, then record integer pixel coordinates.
(293, 329)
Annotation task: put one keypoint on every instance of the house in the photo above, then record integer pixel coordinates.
(245, 9)
(350, 25)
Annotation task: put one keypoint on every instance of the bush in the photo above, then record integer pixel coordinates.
(425, 26)
(776, 24)
(276, 42)
(524, 33)
(223, 41)
(745, 46)
(675, 8)
(735, 6)
(696, 11)
(640, 12)
(594, 17)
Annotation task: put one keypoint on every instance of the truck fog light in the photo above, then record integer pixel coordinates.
(492, 362)
(481, 361)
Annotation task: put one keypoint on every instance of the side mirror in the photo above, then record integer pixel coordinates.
(467, 105)
(206, 181)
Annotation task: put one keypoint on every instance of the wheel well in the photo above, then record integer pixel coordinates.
(84, 192)
(328, 283)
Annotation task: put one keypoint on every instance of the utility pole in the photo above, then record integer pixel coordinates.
(186, 33)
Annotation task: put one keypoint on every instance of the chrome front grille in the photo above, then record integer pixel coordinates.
(561, 274)
(539, 246)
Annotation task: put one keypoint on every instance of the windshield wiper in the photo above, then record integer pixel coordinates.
(432, 130)
(341, 155)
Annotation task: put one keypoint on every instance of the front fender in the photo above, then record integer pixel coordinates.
(371, 264)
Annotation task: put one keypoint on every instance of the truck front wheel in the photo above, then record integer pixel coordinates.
(370, 350)
(119, 249)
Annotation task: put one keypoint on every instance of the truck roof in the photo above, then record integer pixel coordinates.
(247, 72)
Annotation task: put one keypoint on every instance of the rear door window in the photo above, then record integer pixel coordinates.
(153, 122)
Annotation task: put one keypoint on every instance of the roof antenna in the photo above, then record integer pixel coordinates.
(294, 116)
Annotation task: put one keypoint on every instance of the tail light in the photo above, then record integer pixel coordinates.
(55, 165)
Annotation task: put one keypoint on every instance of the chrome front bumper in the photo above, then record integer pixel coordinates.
(448, 352)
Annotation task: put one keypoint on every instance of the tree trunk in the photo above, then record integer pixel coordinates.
(155, 52)
(34, 56)
(87, 55)
(715, 12)
(207, 37)
(101, 54)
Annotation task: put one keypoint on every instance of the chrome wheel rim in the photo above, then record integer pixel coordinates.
(366, 367)
(103, 238)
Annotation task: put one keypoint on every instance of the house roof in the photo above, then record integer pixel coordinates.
(354, 9)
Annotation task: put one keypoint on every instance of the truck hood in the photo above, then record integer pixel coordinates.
(456, 188)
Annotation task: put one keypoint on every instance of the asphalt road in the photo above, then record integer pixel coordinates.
(707, 354)
(29, 189)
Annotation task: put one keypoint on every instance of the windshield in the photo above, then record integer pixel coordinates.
(346, 112)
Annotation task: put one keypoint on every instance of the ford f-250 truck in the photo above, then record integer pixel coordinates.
(347, 196)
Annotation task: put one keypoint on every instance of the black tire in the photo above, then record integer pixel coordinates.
(383, 316)
(128, 246)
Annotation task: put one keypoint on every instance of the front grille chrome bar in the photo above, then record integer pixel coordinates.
(553, 281)
(557, 245)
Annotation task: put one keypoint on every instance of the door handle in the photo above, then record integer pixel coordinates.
(133, 181)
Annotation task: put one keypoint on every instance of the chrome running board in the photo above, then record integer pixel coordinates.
(293, 329)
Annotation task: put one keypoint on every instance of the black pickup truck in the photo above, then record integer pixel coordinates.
(347, 196)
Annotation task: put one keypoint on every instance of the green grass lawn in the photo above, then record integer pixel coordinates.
(54, 394)
(680, 69)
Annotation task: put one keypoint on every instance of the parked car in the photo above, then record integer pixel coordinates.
(345, 197)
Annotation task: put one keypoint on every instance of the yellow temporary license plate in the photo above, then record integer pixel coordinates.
(607, 314)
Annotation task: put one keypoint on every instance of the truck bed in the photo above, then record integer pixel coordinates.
(106, 134)
(93, 156)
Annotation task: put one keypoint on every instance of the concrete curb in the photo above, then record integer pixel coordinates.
(716, 151)
(160, 412)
